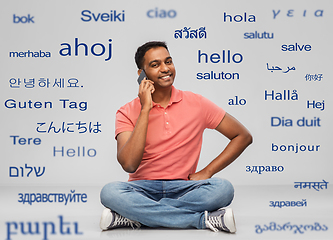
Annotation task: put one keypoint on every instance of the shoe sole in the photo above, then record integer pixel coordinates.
(229, 220)
(106, 219)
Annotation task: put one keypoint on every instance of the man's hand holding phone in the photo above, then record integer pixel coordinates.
(146, 89)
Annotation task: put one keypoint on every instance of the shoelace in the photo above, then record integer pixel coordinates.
(122, 221)
(216, 221)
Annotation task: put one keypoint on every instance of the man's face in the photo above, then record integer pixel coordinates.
(159, 67)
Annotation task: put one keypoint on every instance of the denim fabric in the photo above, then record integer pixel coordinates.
(167, 203)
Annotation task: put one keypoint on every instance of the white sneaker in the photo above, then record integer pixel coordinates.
(221, 220)
(111, 219)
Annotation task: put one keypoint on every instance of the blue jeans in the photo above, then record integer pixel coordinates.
(167, 203)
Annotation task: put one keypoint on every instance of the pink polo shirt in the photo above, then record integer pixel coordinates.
(174, 135)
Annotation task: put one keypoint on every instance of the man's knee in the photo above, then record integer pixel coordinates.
(224, 189)
(109, 191)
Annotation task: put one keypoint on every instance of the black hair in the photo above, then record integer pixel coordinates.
(141, 51)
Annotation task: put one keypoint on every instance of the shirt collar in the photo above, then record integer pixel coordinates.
(176, 95)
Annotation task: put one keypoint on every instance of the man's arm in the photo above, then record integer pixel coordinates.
(131, 145)
(239, 137)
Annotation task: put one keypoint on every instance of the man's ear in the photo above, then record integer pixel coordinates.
(139, 71)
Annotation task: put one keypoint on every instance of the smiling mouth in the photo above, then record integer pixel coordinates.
(167, 77)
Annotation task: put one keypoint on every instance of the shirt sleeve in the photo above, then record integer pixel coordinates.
(212, 113)
(123, 122)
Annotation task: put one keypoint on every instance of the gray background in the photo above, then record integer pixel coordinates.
(107, 85)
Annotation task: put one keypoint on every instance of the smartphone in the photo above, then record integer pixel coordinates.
(141, 76)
